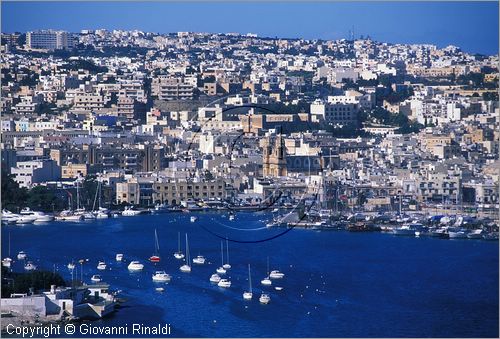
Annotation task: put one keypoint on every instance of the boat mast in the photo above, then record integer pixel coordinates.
(99, 188)
(77, 196)
(157, 245)
(187, 250)
(222, 252)
(95, 197)
(179, 241)
(227, 248)
(268, 266)
(249, 278)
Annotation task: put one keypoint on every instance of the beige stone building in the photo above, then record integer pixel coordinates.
(72, 171)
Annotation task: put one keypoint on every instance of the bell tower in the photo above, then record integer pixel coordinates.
(274, 157)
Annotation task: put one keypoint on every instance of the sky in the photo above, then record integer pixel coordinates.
(472, 26)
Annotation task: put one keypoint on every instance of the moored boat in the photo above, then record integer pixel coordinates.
(215, 278)
(9, 217)
(247, 295)
(475, 234)
(186, 268)
(29, 266)
(7, 261)
(276, 274)
(264, 298)
(130, 212)
(161, 276)
(21, 255)
(135, 266)
(226, 283)
(179, 255)
(491, 236)
(227, 266)
(404, 230)
(199, 260)
(458, 234)
(155, 258)
(221, 270)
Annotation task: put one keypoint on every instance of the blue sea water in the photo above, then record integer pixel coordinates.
(337, 284)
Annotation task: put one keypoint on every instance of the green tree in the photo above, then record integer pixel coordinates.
(87, 191)
(44, 199)
(22, 282)
(13, 196)
(361, 199)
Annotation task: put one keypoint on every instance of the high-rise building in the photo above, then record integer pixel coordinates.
(49, 39)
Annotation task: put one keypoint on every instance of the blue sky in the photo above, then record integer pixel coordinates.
(473, 26)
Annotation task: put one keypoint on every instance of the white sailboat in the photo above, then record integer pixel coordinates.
(80, 211)
(275, 274)
(101, 266)
(30, 266)
(179, 255)
(130, 212)
(7, 262)
(226, 266)
(225, 283)
(119, 257)
(215, 278)
(155, 258)
(221, 270)
(199, 260)
(186, 268)
(135, 266)
(100, 213)
(248, 295)
(21, 255)
(266, 281)
(161, 276)
(264, 298)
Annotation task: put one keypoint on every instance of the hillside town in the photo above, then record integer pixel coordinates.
(117, 120)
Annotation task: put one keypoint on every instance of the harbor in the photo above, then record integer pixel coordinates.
(337, 276)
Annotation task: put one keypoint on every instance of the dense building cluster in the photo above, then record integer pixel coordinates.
(197, 117)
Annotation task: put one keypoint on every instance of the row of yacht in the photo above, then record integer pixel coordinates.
(418, 230)
(26, 216)
(414, 224)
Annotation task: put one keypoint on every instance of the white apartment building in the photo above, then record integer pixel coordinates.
(49, 39)
(352, 97)
(27, 173)
(334, 113)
